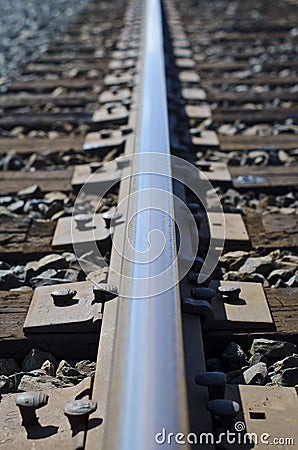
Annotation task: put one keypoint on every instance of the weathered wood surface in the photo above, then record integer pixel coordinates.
(13, 310)
(284, 308)
(14, 344)
(39, 145)
(230, 36)
(39, 237)
(250, 97)
(253, 52)
(45, 121)
(243, 142)
(61, 68)
(231, 66)
(13, 232)
(69, 57)
(72, 46)
(275, 24)
(261, 80)
(56, 180)
(272, 231)
(283, 304)
(49, 85)
(23, 236)
(257, 177)
(12, 101)
(252, 117)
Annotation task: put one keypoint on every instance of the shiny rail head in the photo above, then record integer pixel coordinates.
(157, 221)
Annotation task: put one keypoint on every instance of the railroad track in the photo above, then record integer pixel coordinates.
(149, 231)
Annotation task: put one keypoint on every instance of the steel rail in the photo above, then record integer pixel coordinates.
(147, 386)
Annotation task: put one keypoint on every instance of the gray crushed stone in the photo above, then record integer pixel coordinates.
(27, 27)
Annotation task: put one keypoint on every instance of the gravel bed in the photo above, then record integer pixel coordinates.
(266, 362)
(40, 371)
(27, 28)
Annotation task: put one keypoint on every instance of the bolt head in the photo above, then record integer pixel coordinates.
(95, 166)
(82, 219)
(105, 134)
(122, 162)
(202, 293)
(33, 400)
(194, 207)
(125, 129)
(79, 407)
(194, 277)
(195, 132)
(198, 217)
(211, 379)
(111, 216)
(222, 408)
(204, 167)
(197, 264)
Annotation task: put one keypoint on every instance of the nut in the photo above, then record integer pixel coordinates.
(28, 403)
(77, 412)
(81, 220)
(79, 407)
(96, 166)
(110, 217)
(193, 207)
(201, 293)
(215, 381)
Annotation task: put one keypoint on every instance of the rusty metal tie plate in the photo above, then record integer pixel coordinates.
(205, 139)
(104, 139)
(182, 53)
(193, 94)
(185, 63)
(125, 54)
(118, 113)
(121, 65)
(266, 178)
(196, 112)
(119, 79)
(189, 76)
(251, 310)
(67, 234)
(274, 230)
(53, 429)
(216, 172)
(100, 182)
(268, 411)
(80, 315)
(235, 230)
(114, 95)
